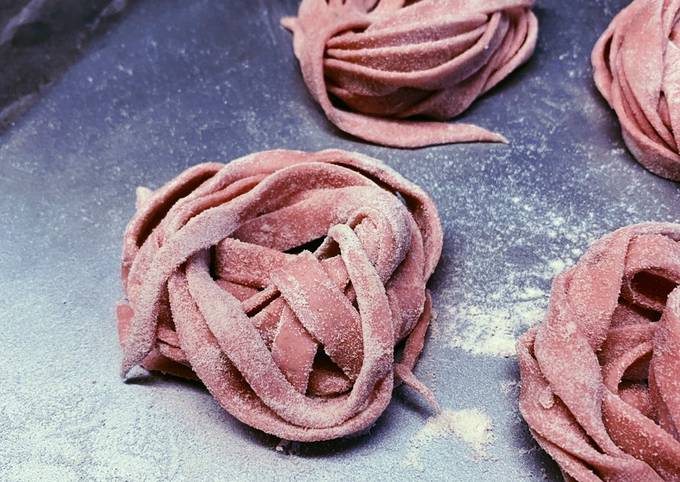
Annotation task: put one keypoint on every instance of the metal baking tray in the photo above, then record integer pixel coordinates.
(173, 83)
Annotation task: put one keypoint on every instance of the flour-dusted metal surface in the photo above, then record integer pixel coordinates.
(175, 83)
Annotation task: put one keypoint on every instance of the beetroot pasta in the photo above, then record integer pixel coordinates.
(600, 388)
(387, 62)
(637, 69)
(283, 281)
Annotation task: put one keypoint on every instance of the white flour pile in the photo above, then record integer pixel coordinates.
(470, 425)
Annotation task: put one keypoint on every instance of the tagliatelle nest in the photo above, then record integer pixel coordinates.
(293, 342)
(391, 60)
(637, 70)
(600, 376)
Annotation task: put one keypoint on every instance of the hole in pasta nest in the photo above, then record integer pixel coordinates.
(355, 302)
(653, 286)
(326, 378)
(649, 314)
(311, 246)
(393, 105)
(351, 30)
(638, 371)
(675, 32)
(213, 263)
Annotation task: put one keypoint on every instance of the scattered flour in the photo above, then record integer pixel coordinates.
(505, 289)
(470, 425)
(491, 325)
(492, 331)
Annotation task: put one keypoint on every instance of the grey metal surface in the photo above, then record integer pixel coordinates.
(177, 83)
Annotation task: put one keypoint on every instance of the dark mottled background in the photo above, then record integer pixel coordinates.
(39, 39)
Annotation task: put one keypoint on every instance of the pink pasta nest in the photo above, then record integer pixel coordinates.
(297, 342)
(600, 376)
(637, 70)
(387, 62)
